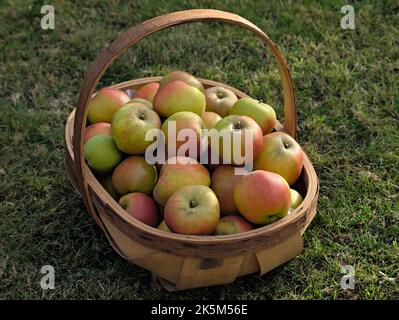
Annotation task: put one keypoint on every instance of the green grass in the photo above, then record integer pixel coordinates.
(347, 89)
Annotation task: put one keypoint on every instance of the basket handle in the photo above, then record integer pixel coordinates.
(146, 28)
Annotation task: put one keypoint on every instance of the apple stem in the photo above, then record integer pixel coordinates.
(193, 204)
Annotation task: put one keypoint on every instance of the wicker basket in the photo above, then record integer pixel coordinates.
(180, 261)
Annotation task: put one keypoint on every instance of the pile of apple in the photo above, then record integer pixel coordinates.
(182, 195)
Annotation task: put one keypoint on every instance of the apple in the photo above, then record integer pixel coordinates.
(237, 125)
(105, 103)
(220, 100)
(232, 225)
(106, 182)
(296, 199)
(130, 125)
(178, 172)
(96, 129)
(262, 113)
(223, 183)
(162, 226)
(143, 101)
(192, 210)
(210, 119)
(147, 92)
(101, 154)
(178, 96)
(262, 197)
(141, 207)
(134, 174)
(182, 76)
(281, 154)
(184, 120)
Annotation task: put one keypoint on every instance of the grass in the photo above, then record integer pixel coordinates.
(347, 89)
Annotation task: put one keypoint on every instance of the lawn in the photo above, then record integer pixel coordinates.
(347, 89)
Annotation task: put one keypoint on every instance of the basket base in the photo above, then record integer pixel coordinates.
(176, 273)
(192, 276)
